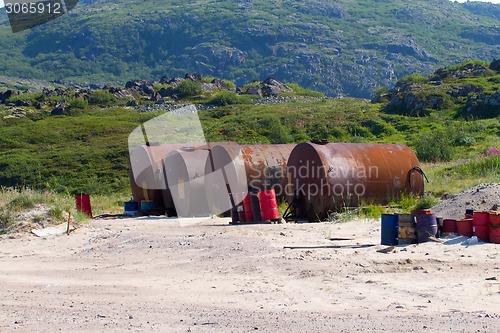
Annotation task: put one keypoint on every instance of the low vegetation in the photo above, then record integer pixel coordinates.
(86, 150)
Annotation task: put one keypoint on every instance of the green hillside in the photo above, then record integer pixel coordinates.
(341, 48)
(76, 139)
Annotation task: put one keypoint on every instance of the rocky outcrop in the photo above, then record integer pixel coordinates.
(140, 86)
(270, 87)
(4, 96)
(448, 87)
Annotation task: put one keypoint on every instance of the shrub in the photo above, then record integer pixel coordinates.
(415, 78)
(298, 90)
(426, 202)
(484, 165)
(228, 98)
(435, 146)
(32, 97)
(277, 132)
(78, 103)
(102, 98)
(188, 88)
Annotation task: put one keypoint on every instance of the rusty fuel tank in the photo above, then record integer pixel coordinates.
(249, 167)
(147, 178)
(185, 172)
(323, 178)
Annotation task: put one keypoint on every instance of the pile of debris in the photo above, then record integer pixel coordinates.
(478, 198)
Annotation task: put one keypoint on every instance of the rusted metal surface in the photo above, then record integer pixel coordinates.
(255, 167)
(147, 178)
(326, 177)
(185, 171)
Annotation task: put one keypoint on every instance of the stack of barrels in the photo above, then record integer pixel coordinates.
(485, 225)
(256, 207)
(405, 229)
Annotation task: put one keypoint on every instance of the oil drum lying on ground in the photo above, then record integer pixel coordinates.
(147, 179)
(327, 177)
(247, 167)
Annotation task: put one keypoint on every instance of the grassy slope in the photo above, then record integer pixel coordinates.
(88, 151)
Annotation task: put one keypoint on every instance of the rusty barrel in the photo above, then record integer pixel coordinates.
(407, 230)
(328, 177)
(185, 170)
(268, 205)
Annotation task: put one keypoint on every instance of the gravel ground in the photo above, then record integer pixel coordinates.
(166, 275)
(480, 197)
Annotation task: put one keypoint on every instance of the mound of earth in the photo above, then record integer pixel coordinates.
(479, 197)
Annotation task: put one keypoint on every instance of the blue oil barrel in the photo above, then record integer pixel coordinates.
(390, 229)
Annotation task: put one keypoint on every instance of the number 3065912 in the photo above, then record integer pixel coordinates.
(33, 8)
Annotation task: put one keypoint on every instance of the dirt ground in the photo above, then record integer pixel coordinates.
(165, 275)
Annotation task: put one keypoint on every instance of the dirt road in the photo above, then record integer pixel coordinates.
(154, 275)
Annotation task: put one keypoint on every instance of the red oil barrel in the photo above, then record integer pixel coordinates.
(449, 226)
(247, 206)
(83, 204)
(481, 218)
(328, 177)
(480, 225)
(482, 232)
(494, 217)
(268, 205)
(464, 227)
(495, 233)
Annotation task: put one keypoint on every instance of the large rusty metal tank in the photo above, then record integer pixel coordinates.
(147, 178)
(185, 172)
(249, 167)
(326, 177)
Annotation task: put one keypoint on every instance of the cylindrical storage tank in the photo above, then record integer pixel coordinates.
(147, 178)
(328, 177)
(246, 167)
(389, 230)
(185, 170)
